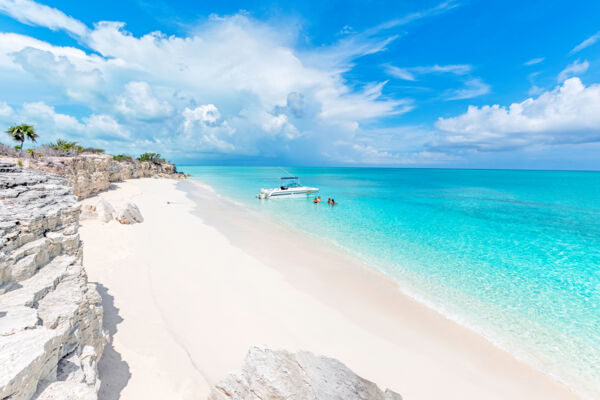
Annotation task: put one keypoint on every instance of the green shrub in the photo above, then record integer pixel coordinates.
(31, 152)
(93, 150)
(66, 146)
(152, 157)
(122, 157)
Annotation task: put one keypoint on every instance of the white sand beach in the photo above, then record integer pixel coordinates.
(190, 289)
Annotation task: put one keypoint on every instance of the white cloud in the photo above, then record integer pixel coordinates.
(473, 88)
(44, 114)
(138, 101)
(575, 68)
(228, 75)
(401, 73)
(567, 114)
(32, 13)
(207, 114)
(409, 74)
(457, 69)
(275, 122)
(105, 127)
(5, 110)
(206, 129)
(11, 43)
(280, 124)
(52, 125)
(586, 43)
(78, 83)
(534, 61)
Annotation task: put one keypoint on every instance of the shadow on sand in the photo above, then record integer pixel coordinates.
(113, 371)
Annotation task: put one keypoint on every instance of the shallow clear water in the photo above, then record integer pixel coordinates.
(513, 254)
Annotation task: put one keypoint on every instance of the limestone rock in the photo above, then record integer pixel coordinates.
(88, 174)
(129, 214)
(105, 211)
(279, 375)
(50, 316)
(101, 210)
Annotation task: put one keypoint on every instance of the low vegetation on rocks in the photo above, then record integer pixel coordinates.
(60, 148)
(152, 157)
(122, 157)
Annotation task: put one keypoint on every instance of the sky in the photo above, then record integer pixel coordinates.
(406, 83)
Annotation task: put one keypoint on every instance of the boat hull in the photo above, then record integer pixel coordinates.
(287, 193)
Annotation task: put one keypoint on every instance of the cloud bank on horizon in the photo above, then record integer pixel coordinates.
(237, 87)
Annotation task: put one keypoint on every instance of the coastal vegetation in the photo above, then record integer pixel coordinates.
(22, 132)
(61, 147)
(122, 157)
(152, 157)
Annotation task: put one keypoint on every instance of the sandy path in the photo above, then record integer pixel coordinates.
(189, 290)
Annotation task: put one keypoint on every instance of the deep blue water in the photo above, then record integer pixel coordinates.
(512, 254)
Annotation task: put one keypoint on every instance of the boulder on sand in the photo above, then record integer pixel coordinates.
(130, 214)
(279, 375)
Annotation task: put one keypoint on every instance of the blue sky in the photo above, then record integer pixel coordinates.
(453, 83)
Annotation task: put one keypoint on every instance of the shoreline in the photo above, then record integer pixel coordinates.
(362, 266)
(362, 263)
(225, 271)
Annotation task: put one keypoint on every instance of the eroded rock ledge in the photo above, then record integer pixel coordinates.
(50, 317)
(92, 173)
(279, 375)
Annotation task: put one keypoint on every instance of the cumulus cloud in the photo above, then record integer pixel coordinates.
(206, 129)
(105, 127)
(157, 84)
(231, 85)
(32, 13)
(473, 88)
(5, 110)
(207, 114)
(57, 70)
(575, 68)
(586, 43)
(138, 101)
(96, 129)
(566, 115)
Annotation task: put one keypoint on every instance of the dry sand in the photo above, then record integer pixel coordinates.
(190, 289)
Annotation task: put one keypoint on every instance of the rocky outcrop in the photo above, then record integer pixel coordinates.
(103, 211)
(50, 316)
(129, 214)
(88, 174)
(279, 375)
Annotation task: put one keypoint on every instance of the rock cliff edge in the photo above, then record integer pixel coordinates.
(50, 316)
(88, 174)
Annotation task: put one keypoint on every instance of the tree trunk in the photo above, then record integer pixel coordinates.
(22, 143)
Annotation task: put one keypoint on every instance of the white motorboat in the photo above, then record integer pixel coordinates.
(290, 187)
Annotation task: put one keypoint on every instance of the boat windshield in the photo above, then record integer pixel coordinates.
(289, 181)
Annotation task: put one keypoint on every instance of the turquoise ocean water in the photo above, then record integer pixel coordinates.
(514, 255)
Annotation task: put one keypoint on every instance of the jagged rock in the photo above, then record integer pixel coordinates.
(50, 316)
(88, 174)
(101, 210)
(279, 375)
(105, 210)
(129, 214)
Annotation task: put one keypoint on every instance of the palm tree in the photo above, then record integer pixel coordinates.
(21, 132)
